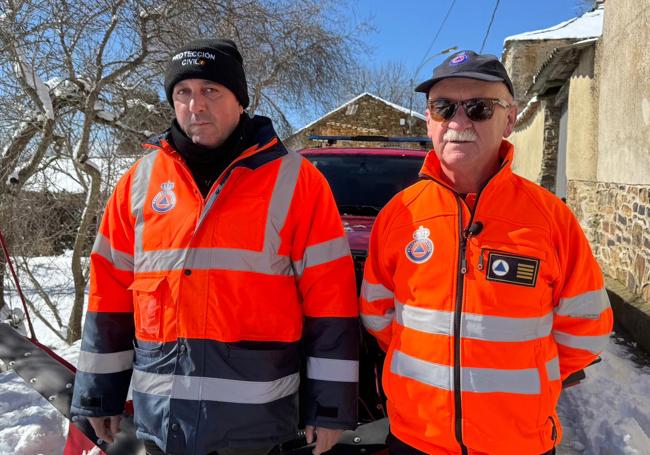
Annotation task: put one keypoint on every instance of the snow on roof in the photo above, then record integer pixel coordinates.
(393, 105)
(589, 25)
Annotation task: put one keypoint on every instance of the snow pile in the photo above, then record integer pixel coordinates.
(609, 412)
(29, 424)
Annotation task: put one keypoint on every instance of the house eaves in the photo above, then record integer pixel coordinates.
(558, 67)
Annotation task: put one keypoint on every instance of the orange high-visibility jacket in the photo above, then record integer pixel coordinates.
(482, 314)
(209, 306)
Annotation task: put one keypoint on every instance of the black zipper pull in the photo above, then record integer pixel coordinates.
(480, 260)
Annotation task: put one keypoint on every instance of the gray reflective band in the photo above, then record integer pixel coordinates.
(429, 373)
(214, 389)
(479, 380)
(92, 362)
(158, 260)
(377, 323)
(474, 326)
(588, 305)
(424, 320)
(322, 253)
(553, 369)
(332, 369)
(139, 188)
(372, 292)
(285, 185)
(119, 259)
(594, 344)
(498, 328)
(487, 380)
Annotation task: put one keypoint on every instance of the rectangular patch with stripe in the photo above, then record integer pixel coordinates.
(509, 268)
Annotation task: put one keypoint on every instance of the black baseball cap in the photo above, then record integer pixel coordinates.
(469, 64)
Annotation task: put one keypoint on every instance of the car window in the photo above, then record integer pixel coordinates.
(363, 184)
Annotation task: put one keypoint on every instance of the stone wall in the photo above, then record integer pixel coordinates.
(367, 116)
(616, 219)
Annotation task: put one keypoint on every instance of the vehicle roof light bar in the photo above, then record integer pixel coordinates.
(331, 140)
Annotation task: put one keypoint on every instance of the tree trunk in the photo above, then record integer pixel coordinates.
(81, 241)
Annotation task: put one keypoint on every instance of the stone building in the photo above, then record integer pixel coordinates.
(364, 115)
(584, 133)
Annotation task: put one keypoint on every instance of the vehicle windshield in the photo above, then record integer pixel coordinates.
(363, 184)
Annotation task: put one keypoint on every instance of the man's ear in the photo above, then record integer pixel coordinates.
(512, 119)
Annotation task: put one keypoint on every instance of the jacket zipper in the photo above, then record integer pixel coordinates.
(458, 310)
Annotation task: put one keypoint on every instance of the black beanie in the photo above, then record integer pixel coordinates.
(216, 60)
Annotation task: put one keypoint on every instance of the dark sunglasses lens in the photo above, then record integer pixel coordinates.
(478, 110)
(442, 110)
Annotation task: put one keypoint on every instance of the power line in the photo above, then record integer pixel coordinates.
(442, 24)
(487, 32)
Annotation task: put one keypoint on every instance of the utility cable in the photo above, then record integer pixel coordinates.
(487, 32)
(435, 37)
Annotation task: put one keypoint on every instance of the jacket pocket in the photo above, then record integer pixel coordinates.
(149, 294)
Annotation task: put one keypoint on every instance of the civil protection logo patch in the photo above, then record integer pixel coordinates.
(513, 269)
(165, 200)
(420, 249)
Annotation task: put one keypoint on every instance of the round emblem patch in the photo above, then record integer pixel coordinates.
(165, 200)
(420, 249)
(460, 58)
(500, 267)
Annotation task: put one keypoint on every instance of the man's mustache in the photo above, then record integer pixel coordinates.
(464, 135)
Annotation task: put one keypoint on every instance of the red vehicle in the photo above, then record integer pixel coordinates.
(363, 180)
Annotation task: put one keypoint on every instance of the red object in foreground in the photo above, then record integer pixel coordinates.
(79, 444)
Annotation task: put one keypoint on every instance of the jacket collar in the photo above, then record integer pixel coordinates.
(431, 167)
(260, 133)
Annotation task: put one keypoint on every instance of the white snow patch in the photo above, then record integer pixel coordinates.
(29, 424)
(24, 70)
(589, 25)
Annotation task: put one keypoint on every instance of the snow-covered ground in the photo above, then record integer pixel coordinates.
(607, 414)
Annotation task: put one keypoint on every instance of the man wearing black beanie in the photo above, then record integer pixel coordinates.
(220, 267)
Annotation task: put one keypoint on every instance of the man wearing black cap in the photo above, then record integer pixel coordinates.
(219, 269)
(479, 284)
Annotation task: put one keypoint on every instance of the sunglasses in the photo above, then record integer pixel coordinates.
(476, 109)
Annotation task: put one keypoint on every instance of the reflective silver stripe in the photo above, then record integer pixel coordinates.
(372, 292)
(322, 253)
(214, 259)
(487, 380)
(426, 372)
(332, 369)
(593, 344)
(119, 259)
(92, 362)
(157, 260)
(475, 326)
(377, 323)
(553, 369)
(588, 305)
(424, 320)
(285, 185)
(139, 188)
(479, 380)
(214, 389)
(498, 328)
